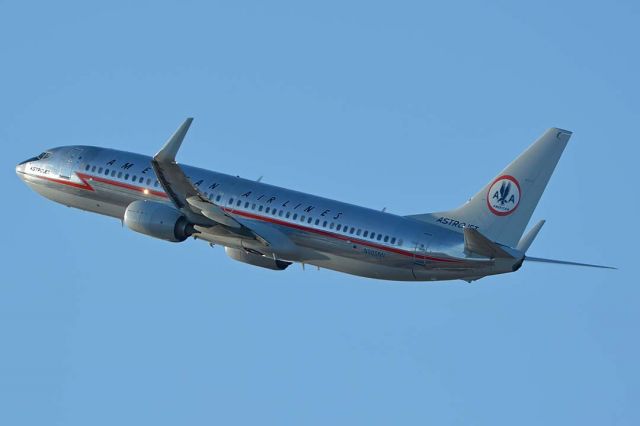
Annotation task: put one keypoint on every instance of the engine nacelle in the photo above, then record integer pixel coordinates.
(157, 220)
(256, 259)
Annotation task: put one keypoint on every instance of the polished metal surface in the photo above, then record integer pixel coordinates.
(278, 224)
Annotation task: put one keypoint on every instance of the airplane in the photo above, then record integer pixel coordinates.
(272, 227)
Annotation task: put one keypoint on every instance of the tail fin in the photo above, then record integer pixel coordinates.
(502, 209)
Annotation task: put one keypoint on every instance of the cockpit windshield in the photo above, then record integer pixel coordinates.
(39, 157)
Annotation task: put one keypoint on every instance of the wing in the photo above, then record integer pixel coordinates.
(182, 193)
(201, 211)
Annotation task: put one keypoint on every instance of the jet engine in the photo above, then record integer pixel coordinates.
(157, 220)
(256, 259)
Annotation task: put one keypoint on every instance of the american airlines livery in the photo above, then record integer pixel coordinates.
(272, 227)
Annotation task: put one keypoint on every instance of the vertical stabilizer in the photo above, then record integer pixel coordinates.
(502, 209)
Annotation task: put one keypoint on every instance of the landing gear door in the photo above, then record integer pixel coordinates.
(70, 164)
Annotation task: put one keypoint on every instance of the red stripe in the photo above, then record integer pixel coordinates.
(85, 185)
(337, 236)
(85, 177)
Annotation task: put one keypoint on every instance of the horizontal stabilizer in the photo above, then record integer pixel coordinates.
(564, 262)
(476, 243)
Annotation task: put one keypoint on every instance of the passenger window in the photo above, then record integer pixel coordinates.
(267, 210)
(156, 184)
(218, 197)
(119, 175)
(230, 200)
(280, 213)
(246, 205)
(100, 170)
(86, 168)
(373, 235)
(141, 179)
(106, 172)
(295, 216)
(148, 182)
(287, 215)
(134, 178)
(393, 240)
(260, 208)
(302, 218)
(338, 227)
(126, 177)
(253, 206)
(358, 232)
(386, 238)
(317, 222)
(275, 211)
(238, 203)
(324, 224)
(332, 225)
(309, 220)
(379, 237)
(365, 233)
(93, 169)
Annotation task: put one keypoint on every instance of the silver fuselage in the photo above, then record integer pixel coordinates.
(327, 233)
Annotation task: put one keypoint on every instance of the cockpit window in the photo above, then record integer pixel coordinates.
(39, 157)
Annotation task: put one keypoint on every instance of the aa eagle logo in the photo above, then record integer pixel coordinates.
(504, 195)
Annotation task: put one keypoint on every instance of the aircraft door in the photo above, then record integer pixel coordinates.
(70, 163)
(422, 249)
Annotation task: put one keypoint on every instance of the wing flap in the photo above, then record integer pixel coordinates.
(212, 211)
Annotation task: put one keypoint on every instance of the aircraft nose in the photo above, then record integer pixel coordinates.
(21, 167)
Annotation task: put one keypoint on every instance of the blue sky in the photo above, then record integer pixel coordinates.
(406, 105)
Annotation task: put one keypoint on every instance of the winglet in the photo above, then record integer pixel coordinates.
(170, 149)
(526, 241)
